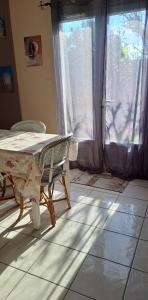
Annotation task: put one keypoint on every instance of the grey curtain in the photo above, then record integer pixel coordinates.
(83, 106)
(91, 56)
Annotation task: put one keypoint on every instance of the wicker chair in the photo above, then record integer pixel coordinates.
(30, 126)
(52, 161)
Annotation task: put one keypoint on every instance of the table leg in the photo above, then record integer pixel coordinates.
(35, 214)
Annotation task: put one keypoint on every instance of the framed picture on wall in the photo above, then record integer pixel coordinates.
(6, 79)
(33, 50)
(2, 27)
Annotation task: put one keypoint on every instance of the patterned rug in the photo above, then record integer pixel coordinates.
(103, 181)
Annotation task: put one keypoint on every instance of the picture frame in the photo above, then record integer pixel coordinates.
(3, 32)
(33, 51)
(6, 79)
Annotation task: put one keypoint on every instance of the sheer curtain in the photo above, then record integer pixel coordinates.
(126, 89)
(101, 54)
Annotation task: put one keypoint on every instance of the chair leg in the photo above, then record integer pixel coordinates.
(4, 188)
(21, 204)
(49, 203)
(66, 193)
(51, 207)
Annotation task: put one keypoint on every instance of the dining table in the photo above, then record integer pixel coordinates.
(19, 157)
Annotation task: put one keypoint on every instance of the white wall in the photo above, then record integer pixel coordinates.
(36, 84)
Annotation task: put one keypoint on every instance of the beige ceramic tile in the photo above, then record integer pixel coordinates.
(141, 256)
(9, 277)
(136, 192)
(139, 182)
(74, 296)
(101, 279)
(130, 206)
(35, 288)
(124, 224)
(58, 264)
(87, 214)
(22, 251)
(74, 187)
(137, 287)
(113, 246)
(144, 233)
(74, 174)
(69, 234)
(84, 178)
(113, 183)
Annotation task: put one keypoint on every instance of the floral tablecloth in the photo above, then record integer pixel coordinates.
(19, 156)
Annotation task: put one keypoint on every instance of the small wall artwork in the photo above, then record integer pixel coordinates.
(33, 51)
(2, 27)
(6, 79)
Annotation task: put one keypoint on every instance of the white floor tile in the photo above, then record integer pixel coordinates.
(9, 217)
(147, 214)
(9, 277)
(124, 224)
(101, 279)
(8, 220)
(79, 194)
(25, 225)
(137, 287)
(99, 198)
(35, 288)
(87, 214)
(69, 234)
(113, 246)
(22, 251)
(130, 205)
(55, 254)
(136, 192)
(61, 208)
(141, 256)
(144, 233)
(58, 264)
(74, 296)
(3, 237)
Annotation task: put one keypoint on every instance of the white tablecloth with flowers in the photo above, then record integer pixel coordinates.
(19, 157)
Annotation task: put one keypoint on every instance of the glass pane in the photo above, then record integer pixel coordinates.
(76, 65)
(123, 76)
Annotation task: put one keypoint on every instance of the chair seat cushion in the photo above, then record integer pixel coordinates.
(58, 172)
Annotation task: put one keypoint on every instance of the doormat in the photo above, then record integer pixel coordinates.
(102, 181)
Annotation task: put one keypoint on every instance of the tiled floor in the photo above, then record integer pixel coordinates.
(97, 250)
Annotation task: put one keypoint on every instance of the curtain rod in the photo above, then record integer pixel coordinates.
(51, 2)
(42, 5)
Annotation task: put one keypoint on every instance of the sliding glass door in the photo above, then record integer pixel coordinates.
(101, 59)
